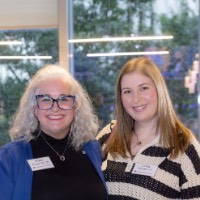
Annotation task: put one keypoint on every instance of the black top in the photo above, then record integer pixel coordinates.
(72, 179)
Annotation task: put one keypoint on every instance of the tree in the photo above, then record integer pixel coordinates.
(183, 26)
(19, 72)
(108, 18)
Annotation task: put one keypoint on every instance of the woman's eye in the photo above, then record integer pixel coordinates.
(64, 99)
(126, 92)
(46, 99)
(144, 88)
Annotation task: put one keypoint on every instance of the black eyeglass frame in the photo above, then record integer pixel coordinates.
(54, 100)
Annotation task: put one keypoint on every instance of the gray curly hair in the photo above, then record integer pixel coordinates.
(85, 124)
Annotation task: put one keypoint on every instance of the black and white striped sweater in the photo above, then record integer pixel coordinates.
(172, 178)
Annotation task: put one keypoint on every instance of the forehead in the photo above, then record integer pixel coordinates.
(136, 78)
(53, 86)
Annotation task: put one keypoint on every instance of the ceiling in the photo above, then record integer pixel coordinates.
(26, 14)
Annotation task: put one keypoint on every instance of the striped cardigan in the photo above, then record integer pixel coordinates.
(173, 178)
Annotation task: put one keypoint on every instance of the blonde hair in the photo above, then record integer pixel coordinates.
(85, 124)
(174, 134)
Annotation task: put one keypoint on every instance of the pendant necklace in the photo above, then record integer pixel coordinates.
(138, 143)
(61, 156)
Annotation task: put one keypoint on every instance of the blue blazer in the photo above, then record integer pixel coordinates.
(16, 175)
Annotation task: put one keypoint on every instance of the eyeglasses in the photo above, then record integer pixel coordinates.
(64, 102)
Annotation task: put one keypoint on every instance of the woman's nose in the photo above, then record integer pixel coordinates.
(136, 97)
(55, 107)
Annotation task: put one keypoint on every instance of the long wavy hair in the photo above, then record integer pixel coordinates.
(174, 134)
(85, 124)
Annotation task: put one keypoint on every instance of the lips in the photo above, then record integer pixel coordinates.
(55, 116)
(139, 108)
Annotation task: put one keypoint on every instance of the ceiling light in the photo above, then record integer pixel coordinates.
(10, 42)
(128, 53)
(112, 39)
(24, 57)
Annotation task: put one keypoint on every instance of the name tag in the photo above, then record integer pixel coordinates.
(40, 163)
(145, 169)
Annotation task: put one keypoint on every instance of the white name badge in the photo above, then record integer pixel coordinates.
(40, 163)
(145, 169)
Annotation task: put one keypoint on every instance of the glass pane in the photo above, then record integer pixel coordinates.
(14, 74)
(97, 19)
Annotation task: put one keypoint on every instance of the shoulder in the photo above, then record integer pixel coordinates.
(105, 132)
(190, 170)
(93, 149)
(92, 145)
(13, 165)
(15, 150)
(14, 145)
(193, 148)
(191, 156)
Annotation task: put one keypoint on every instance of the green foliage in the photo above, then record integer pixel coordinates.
(4, 125)
(107, 18)
(19, 72)
(121, 18)
(183, 26)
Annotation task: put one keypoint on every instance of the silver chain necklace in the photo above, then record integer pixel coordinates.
(62, 157)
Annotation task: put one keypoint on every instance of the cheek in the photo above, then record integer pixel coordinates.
(125, 100)
(72, 114)
(153, 95)
(153, 98)
(39, 114)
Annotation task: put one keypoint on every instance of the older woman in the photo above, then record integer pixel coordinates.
(53, 155)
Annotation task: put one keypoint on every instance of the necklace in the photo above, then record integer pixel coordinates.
(61, 156)
(138, 143)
